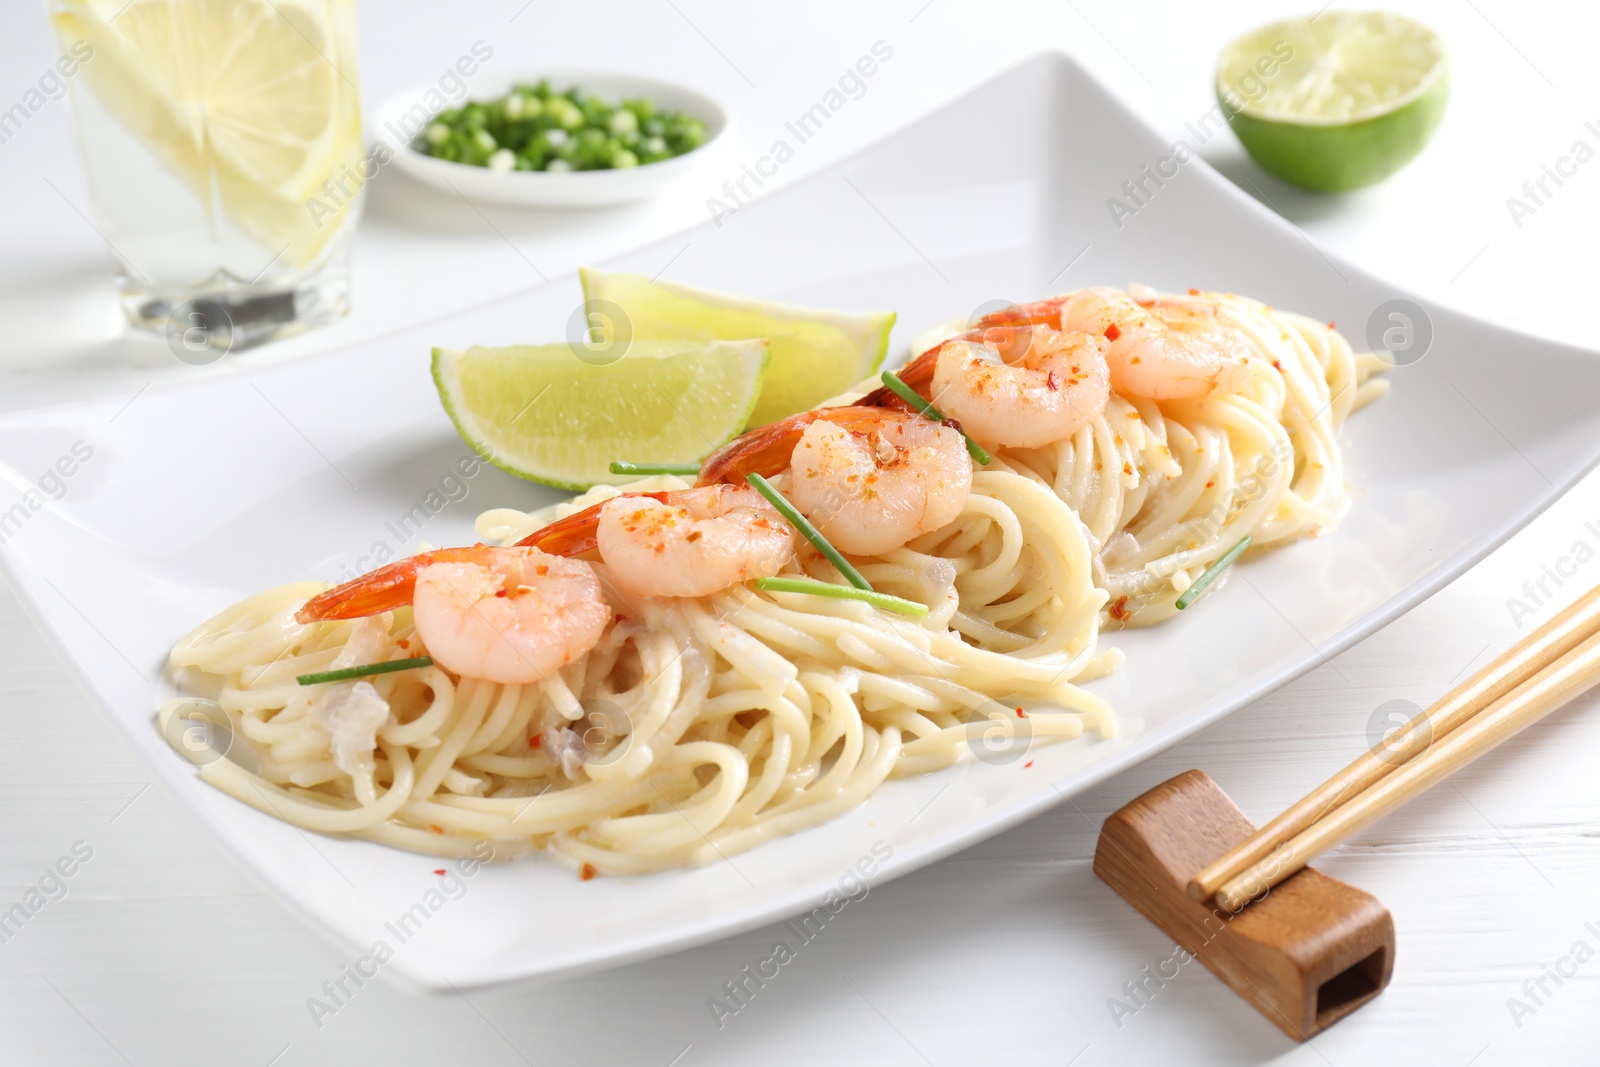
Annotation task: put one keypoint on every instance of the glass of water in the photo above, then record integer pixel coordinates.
(222, 141)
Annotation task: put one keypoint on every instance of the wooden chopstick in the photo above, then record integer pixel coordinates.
(1511, 669)
(1548, 690)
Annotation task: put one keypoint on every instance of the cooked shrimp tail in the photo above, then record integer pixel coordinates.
(766, 449)
(1009, 330)
(384, 589)
(574, 535)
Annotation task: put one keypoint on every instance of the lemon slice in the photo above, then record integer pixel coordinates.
(1336, 101)
(815, 354)
(251, 98)
(560, 413)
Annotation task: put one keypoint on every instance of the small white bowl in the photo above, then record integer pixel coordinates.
(396, 124)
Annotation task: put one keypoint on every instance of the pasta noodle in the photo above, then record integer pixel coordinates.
(699, 727)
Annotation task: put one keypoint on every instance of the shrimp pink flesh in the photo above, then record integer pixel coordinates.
(518, 615)
(870, 488)
(1057, 385)
(695, 542)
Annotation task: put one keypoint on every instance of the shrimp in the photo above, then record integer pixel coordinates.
(577, 534)
(501, 614)
(870, 490)
(1010, 331)
(695, 542)
(1058, 384)
(1179, 351)
(384, 589)
(766, 449)
(520, 615)
(869, 479)
(1163, 348)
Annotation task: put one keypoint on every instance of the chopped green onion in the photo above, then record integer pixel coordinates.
(545, 130)
(360, 672)
(909, 395)
(843, 592)
(619, 466)
(1211, 572)
(810, 532)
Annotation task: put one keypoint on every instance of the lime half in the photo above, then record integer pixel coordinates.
(1335, 101)
(559, 414)
(815, 354)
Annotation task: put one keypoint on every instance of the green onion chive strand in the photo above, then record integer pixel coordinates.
(622, 466)
(808, 531)
(910, 396)
(1210, 574)
(811, 586)
(363, 671)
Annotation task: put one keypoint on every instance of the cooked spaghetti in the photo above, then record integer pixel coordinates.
(625, 690)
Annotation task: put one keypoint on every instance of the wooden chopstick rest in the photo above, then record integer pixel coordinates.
(1308, 953)
(1304, 949)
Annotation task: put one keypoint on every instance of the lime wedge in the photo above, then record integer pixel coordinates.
(1335, 101)
(557, 414)
(815, 354)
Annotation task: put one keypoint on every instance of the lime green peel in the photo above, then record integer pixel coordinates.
(811, 586)
(559, 413)
(1338, 100)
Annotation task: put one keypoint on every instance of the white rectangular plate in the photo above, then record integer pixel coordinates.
(196, 496)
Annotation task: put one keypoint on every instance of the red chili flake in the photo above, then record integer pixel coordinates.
(501, 593)
(439, 871)
(1025, 766)
(1113, 332)
(1194, 292)
(1210, 484)
(1119, 610)
(435, 828)
(1276, 365)
(587, 871)
(693, 535)
(1021, 714)
(405, 644)
(1127, 468)
(535, 741)
(1330, 325)
(542, 569)
(1050, 381)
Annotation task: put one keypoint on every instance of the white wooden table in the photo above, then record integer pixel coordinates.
(161, 953)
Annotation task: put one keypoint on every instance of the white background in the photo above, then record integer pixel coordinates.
(162, 953)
